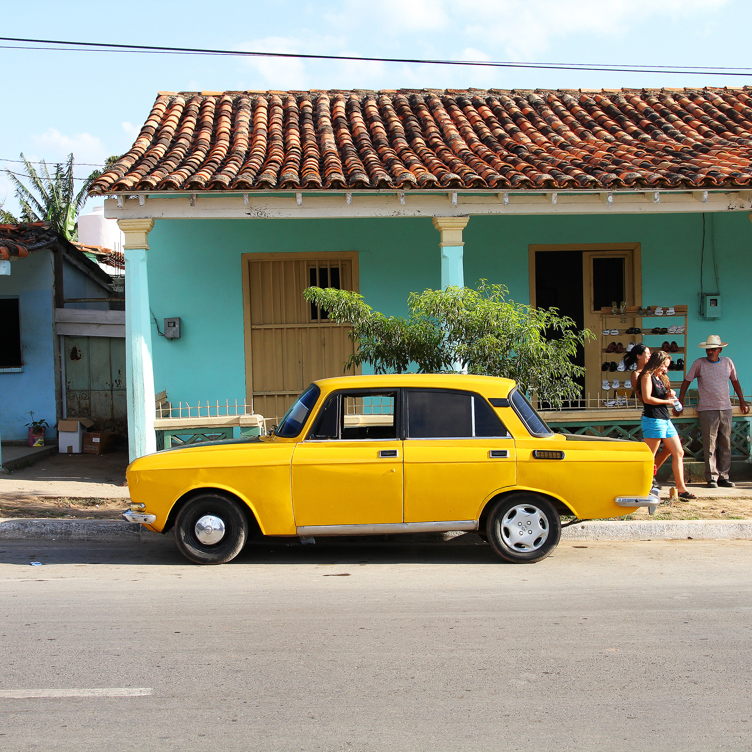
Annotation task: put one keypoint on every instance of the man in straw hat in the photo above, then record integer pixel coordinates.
(713, 373)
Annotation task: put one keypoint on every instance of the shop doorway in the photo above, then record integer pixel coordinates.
(579, 281)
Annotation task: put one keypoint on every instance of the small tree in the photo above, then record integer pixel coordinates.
(52, 197)
(477, 331)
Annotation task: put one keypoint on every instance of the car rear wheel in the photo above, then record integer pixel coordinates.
(211, 529)
(523, 528)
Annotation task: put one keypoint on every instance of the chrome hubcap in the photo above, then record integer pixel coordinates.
(210, 529)
(525, 528)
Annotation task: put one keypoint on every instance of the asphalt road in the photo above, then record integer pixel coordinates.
(603, 646)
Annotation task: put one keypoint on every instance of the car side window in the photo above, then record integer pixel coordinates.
(356, 417)
(450, 415)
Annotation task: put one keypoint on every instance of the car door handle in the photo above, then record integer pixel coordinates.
(495, 454)
(388, 453)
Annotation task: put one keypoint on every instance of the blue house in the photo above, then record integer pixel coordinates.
(232, 203)
(54, 303)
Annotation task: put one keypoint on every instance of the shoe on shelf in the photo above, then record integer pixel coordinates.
(664, 331)
(680, 329)
(616, 384)
(658, 311)
(605, 385)
(612, 366)
(605, 366)
(622, 366)
(614, 332)
(611, 347)
(686, 495)
(674, 347)
(726, 483)
(606, 332)
(711, 484)
(637, 330)
(680, 364)
(630, 346)
(670, 311)
(619, 347)
(672, 329)
(666, 346)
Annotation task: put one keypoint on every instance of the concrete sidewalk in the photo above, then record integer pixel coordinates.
(81, 476)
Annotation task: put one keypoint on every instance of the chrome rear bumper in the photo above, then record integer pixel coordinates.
(638, 501)
(140, 517)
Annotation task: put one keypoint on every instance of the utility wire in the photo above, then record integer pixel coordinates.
(52, 164)
(150, 49)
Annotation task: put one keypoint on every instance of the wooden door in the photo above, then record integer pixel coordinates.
(290, 343)
(94, 371)
(607, 276)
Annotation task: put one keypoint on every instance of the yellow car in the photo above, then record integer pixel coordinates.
(364, 455)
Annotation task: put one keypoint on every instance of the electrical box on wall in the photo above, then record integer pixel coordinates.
(710, 306)
(172, 328)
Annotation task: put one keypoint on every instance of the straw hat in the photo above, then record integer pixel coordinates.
(713, 341)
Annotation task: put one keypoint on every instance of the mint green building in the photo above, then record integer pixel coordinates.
(233, 204)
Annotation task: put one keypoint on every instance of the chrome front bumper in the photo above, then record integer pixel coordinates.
(140, 517)
(638, 501)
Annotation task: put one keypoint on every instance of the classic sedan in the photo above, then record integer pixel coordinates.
(364, 455)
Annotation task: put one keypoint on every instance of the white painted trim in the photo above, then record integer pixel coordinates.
(90, 330)
(294, 205)
(79, 315)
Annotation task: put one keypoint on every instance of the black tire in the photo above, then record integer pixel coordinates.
(523, 528)
(214, 505)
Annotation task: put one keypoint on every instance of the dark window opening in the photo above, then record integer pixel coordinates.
(441, 415)
(323, 276)
(608, 282)
(10, 334)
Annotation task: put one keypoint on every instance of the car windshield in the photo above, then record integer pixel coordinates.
(292, 423)
(527, 414)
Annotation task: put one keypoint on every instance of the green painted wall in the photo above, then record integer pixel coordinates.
(195, 273)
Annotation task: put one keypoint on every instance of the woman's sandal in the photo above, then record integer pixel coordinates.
(686, 495)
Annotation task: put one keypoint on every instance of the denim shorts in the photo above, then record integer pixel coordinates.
(656, 428)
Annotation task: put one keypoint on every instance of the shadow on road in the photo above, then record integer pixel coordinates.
(165, 553)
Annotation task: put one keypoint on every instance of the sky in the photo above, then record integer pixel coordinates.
(94, 103)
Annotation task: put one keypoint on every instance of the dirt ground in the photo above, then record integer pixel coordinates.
(112, 509)
(41, 507)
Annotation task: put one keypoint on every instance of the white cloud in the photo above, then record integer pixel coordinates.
(277, 72)
(130, 130)
(56, 146)
(526, 28)
(397, 17)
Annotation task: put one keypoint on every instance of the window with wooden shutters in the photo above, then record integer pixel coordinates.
(289, 342)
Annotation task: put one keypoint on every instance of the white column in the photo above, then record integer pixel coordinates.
(140, 373)
(452, 250)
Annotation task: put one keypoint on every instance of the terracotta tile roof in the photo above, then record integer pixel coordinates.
(18, 240)
(247, 141)
(107, 256)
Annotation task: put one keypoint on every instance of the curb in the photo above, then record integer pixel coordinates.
(116, 530)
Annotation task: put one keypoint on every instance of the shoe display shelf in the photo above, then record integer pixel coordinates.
(621, 326)
(617, 331)
(664, 322)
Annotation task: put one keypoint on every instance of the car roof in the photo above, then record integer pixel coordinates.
(487, 385)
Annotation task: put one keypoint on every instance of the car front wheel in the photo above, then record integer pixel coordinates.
(211, 529)
(523, 528)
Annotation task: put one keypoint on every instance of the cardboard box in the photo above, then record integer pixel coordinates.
(99, 442)
(70, 434)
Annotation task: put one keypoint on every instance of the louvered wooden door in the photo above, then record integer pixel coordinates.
(290, 343)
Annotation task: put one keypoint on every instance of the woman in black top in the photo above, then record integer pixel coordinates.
(657, 396)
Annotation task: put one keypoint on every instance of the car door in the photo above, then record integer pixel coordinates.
(348, 470)
(457, 453)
